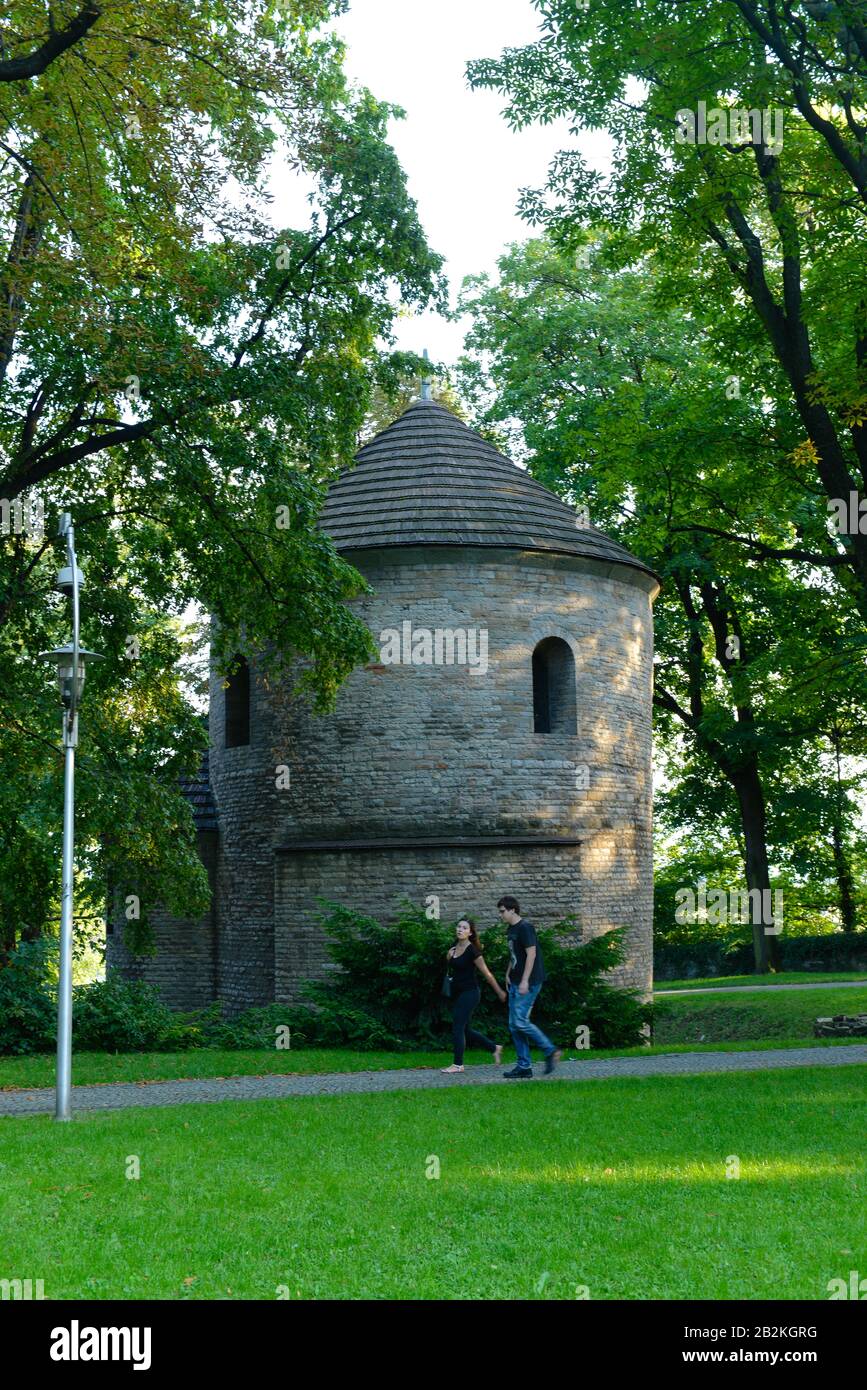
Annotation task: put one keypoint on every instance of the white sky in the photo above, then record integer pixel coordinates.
(464, 166)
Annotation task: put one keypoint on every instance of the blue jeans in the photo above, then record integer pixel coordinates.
(522, 1030)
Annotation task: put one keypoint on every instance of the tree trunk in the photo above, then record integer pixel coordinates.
(751, 798)
(845, 883)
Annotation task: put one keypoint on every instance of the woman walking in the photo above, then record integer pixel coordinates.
(465, 959)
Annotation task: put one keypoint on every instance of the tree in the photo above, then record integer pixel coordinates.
(625, 409)
(756, 220)
(184, 372)
(158, 332)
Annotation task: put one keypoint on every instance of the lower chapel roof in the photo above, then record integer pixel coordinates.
(198, 792)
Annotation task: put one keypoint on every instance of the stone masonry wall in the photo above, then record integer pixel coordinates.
(183, 968)
(464, 880)
(416, 750)
(243, 782)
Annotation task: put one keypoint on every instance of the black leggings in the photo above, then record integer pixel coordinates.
(463, 1005)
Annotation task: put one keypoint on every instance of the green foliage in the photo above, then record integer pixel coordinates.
(713, 433)
(692, 859)
(116, 1015)
(389, 978)
(335, 1025)
(179, 369)
(699, 959)
(254, 1028)
(28, 1011)
(384, 995)
(818, 952)
(575, 994)
(622, 403)
(760, 239)
(387, 991)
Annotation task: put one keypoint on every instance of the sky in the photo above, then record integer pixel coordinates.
(464, 166)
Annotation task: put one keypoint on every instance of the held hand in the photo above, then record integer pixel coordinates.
(502, 995)
(523, 987)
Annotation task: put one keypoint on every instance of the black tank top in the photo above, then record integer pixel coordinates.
(463, 968)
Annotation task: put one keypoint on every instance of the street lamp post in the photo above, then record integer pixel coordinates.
(70, 662)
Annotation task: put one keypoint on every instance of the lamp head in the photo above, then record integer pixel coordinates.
(63, 658)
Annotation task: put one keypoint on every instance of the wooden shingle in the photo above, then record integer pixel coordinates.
(428, 479)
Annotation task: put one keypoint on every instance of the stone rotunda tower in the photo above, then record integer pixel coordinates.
(500, 743)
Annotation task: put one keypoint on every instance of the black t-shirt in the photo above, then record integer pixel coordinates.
(519, 937)
(463, 968)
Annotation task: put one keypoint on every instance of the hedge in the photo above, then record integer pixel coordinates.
(839, 951)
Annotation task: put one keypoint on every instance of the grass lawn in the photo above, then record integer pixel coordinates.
(785, 977)
(733, 1017)
(619, 1186)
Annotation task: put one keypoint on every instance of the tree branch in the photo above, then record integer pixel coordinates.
(773, 38)
(19, 69)
(769, 552)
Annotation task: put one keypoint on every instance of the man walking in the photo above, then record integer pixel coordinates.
(524, 978)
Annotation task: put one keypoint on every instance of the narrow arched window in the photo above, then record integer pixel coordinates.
(554, 705)
(238, 704)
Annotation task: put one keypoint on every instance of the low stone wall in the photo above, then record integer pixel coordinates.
(841, 1026)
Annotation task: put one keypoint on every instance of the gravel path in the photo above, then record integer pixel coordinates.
(122, 1096)
(750, 989)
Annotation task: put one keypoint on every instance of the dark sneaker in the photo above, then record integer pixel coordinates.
(519, 1073)
(551, 1060)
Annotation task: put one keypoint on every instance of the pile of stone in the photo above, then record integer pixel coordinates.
(841, 1026)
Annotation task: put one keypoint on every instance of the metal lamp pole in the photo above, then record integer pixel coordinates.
(70, 741)
(70, 661)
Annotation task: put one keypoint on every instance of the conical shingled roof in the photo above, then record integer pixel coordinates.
(428, 479)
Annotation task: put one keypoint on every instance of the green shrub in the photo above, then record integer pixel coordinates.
(116, 1015)
(254, 1028)
(28, 1008)
(334, 1024)
(386, 994)
(575, 994)
(388, 986)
